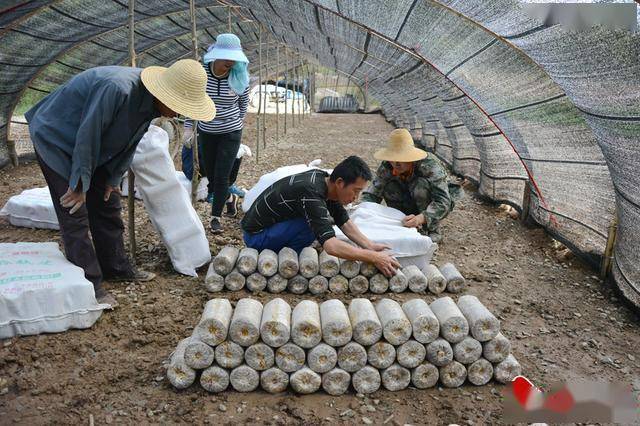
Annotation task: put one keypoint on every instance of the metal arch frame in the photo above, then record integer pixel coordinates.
(74, 46)
(428, 62)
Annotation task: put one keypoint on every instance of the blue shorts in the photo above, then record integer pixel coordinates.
(294, 233)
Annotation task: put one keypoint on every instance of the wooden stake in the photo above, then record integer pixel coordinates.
(264, 111)
(286, 77)
(259, 93)
(293, 100)
(277, 93)
(526, 203)
(607, 258)
(195, 179)
(131, 181)
(298, 72)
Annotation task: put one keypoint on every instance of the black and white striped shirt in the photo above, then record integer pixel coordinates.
(230, 108)
(292, 197)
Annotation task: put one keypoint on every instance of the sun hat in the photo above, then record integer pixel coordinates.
(228, 47)
(400, 148)
(182, 88)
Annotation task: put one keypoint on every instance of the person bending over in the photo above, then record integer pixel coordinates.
(298, 209)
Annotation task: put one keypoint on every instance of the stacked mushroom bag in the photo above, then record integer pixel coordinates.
(234, 269)
(333, 347)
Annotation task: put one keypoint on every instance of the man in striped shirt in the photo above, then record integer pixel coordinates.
(298, 209)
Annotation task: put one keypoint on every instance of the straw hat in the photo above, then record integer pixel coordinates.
(181, 87)
(400, 148)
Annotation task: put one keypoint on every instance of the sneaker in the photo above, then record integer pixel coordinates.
(137, 275)
(232, 206)
(108, 299)
(216, 226)
(234, 189)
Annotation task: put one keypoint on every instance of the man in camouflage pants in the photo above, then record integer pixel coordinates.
(413, 182)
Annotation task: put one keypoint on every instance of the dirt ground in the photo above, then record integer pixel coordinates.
(564, 322)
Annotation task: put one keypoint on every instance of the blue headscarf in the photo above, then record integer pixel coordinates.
(227, 46)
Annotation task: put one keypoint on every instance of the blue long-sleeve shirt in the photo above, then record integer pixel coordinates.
(96, 119)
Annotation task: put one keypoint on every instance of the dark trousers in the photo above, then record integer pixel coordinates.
(219, 154)
(187, 166)
(294, 233)
(105, 254)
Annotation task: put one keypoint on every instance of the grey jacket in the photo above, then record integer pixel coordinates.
(96, 119)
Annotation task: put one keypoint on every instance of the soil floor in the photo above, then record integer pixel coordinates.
(563, 321)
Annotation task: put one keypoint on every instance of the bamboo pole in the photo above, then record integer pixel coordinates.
(298, 72)
(286, 77)
(195, 179)
(607, 259)
(259, 93)
(229, 17)
(264, 111)
(526, 203)
(293, 100)
(277, 93)
(131, 179)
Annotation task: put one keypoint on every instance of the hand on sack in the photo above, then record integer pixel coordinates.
(187, 137)
(379, 247)
(386, 264)
(414, 221)
(109, 189)
(73, 200)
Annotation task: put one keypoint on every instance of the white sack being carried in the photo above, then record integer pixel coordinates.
(186, 184)
(168, 204)
(382, 224)
(42, 292)
(269, 179)
(32, 208)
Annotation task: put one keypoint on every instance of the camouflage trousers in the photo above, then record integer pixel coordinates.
(413, 198)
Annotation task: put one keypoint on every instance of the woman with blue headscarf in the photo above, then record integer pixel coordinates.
(228, 86)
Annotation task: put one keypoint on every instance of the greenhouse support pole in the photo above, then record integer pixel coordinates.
(131, 179)
(277, 93)
(293, 91)
(607, 259)
(259, 93)
(526, 202)
(285, 76)
(298, 92)
(195, 180)
(266, 93)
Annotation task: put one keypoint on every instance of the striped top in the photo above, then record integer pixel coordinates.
(230, 108)
(296, 196)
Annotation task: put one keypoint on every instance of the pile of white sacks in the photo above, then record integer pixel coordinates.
(334, 347)
(234, 269)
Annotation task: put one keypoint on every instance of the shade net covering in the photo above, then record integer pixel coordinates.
(514, 105)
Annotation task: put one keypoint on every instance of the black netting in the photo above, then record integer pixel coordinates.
(501, 98)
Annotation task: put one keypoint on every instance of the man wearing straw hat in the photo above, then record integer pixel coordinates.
(413, 182)
(85, 134)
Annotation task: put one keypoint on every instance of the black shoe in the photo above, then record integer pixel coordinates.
(133, 275)
(232, 206)
(216, 227)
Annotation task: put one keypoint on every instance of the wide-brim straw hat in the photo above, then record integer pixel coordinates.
(182, 88)
(400, 148)
(227, 47)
